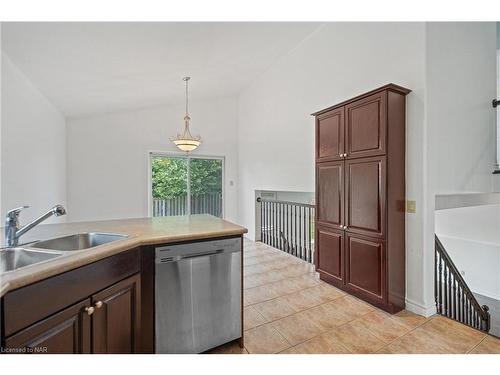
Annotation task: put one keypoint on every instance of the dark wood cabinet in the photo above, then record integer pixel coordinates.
(360, 195)
(116, 321)
(330, 135)
(330, 197)
(365, 267)
(67, 332)
(365, 196)
(330, 260)
(92, 309)
(366, 126)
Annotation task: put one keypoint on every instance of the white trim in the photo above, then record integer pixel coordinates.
(419, 309)
(497, 165)
(173, 154)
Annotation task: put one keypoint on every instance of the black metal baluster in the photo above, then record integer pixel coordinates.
(309, 240)
(294, 230)
(267, 224)
(273, 223)
(305, 235)
(276, 228)
(279, 226)
(300, 233)
(261, 221)
(452, 300)
(440, 284)
(285, 231)
(445, 289)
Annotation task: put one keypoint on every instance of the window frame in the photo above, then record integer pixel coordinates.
(176, 154)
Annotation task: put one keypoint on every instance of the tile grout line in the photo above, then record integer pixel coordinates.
(296, 312)
(407, 333)
(479, 343)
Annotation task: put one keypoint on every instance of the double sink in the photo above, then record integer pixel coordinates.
(41, 251)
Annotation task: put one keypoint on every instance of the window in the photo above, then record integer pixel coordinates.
(185, 185)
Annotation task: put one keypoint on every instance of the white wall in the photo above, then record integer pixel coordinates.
(108, 156)
(471, 235)
(337, 62)
(461, 82)
(33, 147)
(460, 130)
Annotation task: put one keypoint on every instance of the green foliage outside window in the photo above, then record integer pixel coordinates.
(169, 177)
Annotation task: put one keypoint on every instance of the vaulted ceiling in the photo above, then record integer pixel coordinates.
(89, 68)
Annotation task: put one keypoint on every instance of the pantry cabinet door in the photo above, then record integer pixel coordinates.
(330, 135)
(365, 196)
(330, 194)
(365, 267)
(329, 254)
(366, 126)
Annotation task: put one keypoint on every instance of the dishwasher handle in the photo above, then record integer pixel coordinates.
(202, 254)
(176, 258)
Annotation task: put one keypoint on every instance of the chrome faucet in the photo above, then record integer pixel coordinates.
(12, 229)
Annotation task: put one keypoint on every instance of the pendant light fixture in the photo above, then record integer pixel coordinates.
(185, 141)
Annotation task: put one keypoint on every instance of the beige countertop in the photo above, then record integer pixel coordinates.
(142, 231)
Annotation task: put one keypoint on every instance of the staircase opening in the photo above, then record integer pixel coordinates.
(454, 299)
(467, 257)
(285, 220)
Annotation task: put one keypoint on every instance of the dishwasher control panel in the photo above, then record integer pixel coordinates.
(172, 253)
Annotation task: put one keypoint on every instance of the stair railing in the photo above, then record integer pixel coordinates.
(453, 297)
(288, 226)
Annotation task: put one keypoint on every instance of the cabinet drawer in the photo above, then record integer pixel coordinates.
(34, 302)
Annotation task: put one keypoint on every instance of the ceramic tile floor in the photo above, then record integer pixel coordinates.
(287, 309)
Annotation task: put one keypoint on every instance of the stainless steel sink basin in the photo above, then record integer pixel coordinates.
(78, 241)
(14, 258)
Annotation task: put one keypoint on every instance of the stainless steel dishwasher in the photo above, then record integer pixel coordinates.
(197, 295)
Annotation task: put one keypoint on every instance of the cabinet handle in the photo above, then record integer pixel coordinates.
(89, 310)
(98, 304)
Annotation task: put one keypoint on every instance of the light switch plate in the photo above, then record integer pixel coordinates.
(411, 207)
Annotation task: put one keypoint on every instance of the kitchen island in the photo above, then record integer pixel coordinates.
(68, 303)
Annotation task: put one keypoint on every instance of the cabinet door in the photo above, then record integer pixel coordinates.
(329, 193)
(365, 267)
(67, 332)
(366, 126)
(329, 254)
(116, 321)
(365, 196)
(330, 135)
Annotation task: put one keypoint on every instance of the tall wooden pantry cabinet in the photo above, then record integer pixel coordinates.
(360, 196)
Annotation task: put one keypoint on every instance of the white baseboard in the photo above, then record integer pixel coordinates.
(419, 309)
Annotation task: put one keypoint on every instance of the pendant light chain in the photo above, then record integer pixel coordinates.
(187, 96)
(186, 142)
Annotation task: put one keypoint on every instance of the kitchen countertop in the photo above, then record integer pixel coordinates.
(141, 231)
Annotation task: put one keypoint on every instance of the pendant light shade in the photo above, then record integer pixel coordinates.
(185, 141)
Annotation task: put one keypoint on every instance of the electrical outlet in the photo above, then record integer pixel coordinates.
(411, 207)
